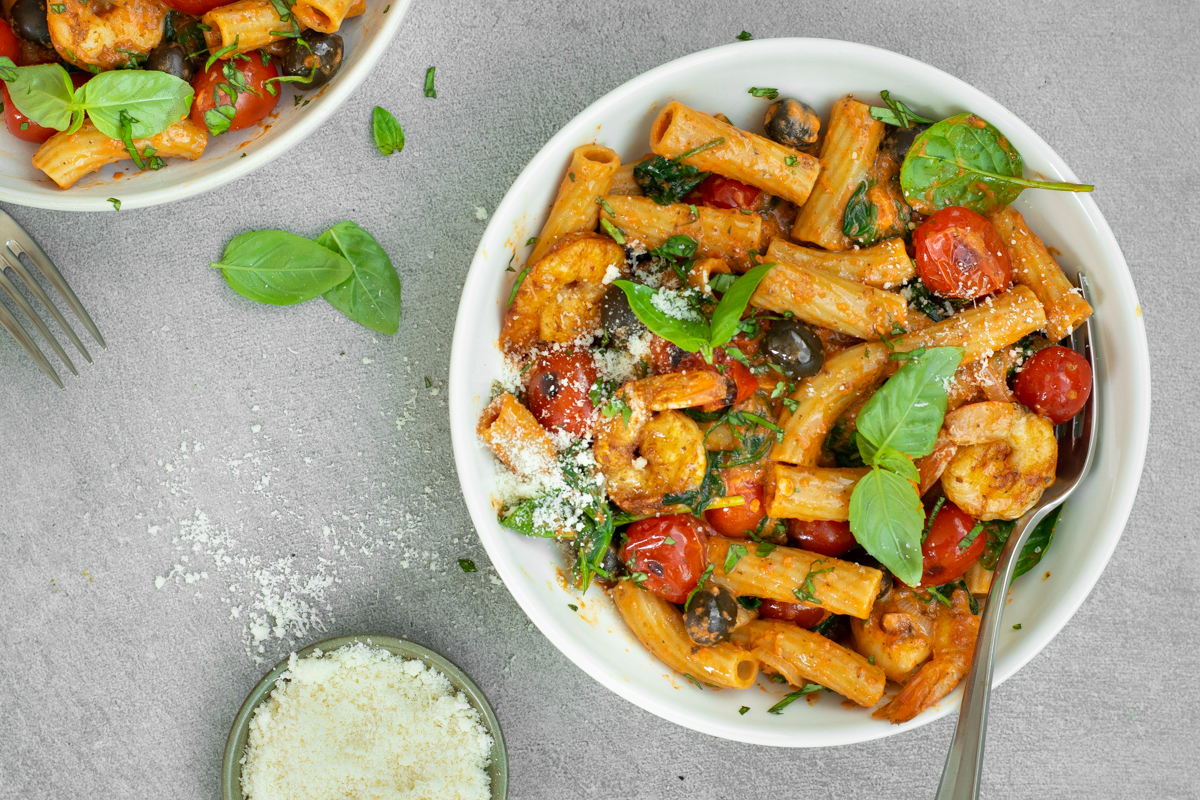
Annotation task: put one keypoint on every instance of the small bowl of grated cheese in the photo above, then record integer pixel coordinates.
(365, 716)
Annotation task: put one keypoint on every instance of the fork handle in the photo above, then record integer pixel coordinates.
(964, 764)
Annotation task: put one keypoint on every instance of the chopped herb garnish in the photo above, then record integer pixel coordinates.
(57, 8)
(1017, 627)
(770, 94)
(693, 680)
(531, 240)
(572, 606)
(736, 551)
(616, 233)
(115, 203)
(790, 161)
(750, 603)
(788, 699)
(969, 539)
(669, 540)
(744, 36)
(429, 90)
(765, 549)
(808, 592)
(743, 710)
(708, 571)
(941, 501)
(467, 565)
(428, 383)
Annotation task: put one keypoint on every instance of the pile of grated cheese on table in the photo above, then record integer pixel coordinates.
(361, 722)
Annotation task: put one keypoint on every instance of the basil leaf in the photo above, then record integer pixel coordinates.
(280, 268)
(907, 411)
(858, 220)
(886, 517)
(153, 101)
(897, 113)
(691, 335)
(728, 313)
(893, 460)
(371, 295)
(44, 93)
(389, 136)
(965, 161)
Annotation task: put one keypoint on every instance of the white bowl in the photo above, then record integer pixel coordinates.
(227, 157)
(818, 71)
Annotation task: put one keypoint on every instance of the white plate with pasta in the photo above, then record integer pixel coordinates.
(746, 557)
(138, 102)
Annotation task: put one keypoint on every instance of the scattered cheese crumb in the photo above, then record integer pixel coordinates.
(480, 213)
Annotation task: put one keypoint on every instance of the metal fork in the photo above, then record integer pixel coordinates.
(19, 247)
(1076, 447)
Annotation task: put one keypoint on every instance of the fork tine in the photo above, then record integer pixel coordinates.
(30, 249)
(36, 288)
(10, 324)
(27, 309)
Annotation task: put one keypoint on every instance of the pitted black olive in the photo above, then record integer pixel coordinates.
(711, 614)
(612, 565)
(171, 58)
(617, 317)
(316, 54)
(29, 21)
(898, 140)
(795, 348)
(792, 123)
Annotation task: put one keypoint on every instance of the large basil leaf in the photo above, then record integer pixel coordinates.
(154, 101)
(44, 93)
(907, 411)
(280, 268)
(966, 161)
(886, 517)
(371, 295)
(691, 335)
(728, 312)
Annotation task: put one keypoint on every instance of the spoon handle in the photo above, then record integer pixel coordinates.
(964, 764)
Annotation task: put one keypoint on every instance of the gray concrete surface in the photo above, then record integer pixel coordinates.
(310, 453)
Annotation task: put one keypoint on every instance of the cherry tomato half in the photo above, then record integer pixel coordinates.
(721, 192)
(945, 559)
(960, 254)
(251, 106)
(664, 355)
(742, 383)
(195, 8)
(827, 537)
(670, 552)
(1055, 382)
(739, 521)
(801, 614)
(10, 45)
(20, 125)
(559, 387)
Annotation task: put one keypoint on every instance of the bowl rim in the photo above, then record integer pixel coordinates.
(465, 452)
(256, 156)
(235, 742)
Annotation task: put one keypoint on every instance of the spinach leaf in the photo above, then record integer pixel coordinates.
(152, 100)
(930, 305)
(44, 93)
(389, 136)
(691, 335)
(711, 487)
(280, 268)
(667, 181)
(858, 221)
(520, 519)
(728, 312)
(886, 518)
(371, 295)
(907, 411)
(1039, 541)
(966, 161)
(897, 113)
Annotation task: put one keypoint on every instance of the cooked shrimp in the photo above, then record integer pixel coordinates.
(898, 633)
(1005, 460)
(106, 33)
(954, 632)
(648, 449)
(559, 300)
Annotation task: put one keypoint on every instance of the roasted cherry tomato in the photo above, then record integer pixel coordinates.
(20, 125)
(739, 521)
(720, 192)
(742, 383)
(800, 614)
(827, 537)
(251, 105)
(10, 45)
(664, 355)
(960, 254)
(1055, 382)
(945, 558)
(195, 8)
(559, 390)
(669, 551)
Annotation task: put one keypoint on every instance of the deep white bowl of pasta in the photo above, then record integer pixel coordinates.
(227, 157)
(819, 72)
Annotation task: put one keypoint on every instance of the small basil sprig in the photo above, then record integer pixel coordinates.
(371, 295)
(897, 113)
(965, 161)
(696, 335)
(900, 422)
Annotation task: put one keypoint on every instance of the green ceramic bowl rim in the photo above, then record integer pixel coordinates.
(231, 769)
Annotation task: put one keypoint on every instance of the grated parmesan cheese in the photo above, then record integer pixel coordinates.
(361, 722)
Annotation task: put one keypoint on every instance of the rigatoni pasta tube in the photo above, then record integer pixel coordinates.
(658, 625)
(810, 493)
(623, 180)
(322, 15)
(841, 587)
(516, 437)
(997, 322)
(589, 177)
(719, 233)
(67, 157)
(823, 299)
(851, 141)
(743, 156)
(816, 658)
(1037, 269)
(243, 26)
(884, 266)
